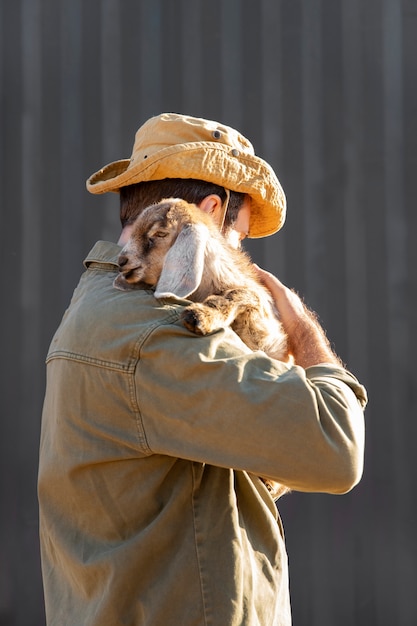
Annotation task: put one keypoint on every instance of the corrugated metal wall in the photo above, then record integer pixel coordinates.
(327, 92)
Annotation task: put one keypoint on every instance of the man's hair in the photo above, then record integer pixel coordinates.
(135, 198)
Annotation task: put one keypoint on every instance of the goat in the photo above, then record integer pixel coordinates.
(177, 248)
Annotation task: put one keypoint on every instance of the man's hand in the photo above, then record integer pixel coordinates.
(307, 340)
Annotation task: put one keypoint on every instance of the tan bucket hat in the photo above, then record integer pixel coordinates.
(179, 146)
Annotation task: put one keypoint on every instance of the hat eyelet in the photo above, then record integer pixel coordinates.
(216, 134)
(235, 152)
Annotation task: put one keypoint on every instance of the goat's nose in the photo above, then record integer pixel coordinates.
(122, 260)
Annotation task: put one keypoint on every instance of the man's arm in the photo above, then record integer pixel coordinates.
(307, 340)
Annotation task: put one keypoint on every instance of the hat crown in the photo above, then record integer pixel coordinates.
(172, 129)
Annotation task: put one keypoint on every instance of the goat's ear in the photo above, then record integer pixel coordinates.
(183, 266)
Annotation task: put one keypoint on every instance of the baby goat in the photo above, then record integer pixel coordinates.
(176, 248)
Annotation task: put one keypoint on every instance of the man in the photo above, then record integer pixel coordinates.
(151, 512)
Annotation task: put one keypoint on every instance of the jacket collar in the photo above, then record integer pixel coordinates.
(104, 252)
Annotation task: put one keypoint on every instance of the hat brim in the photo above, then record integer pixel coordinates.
(211, 162)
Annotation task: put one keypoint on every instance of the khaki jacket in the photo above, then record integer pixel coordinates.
(151, 512)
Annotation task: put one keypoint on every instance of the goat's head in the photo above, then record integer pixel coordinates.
(166, 249)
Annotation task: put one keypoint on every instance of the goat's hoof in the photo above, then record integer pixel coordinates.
(192, 320)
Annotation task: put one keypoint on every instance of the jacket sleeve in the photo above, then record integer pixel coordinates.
(210, 399)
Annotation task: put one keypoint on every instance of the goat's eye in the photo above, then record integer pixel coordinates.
(152, 239)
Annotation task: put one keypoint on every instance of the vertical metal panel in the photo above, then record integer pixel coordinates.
(353, 227)
(191, 75)
(271, 113)
(11, 312)
(398, 304)
(326, 91)
(232, 67)
(30, 375)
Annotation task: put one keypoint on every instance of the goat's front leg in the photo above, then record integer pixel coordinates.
(215, 312)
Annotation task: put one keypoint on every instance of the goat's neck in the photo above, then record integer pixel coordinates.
(219, 273)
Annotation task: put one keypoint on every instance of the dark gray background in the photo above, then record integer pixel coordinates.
(327, 92)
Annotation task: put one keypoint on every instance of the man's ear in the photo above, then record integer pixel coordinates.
(213, 206)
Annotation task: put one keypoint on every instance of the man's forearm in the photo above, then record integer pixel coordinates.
(308, 343)
(307, 340)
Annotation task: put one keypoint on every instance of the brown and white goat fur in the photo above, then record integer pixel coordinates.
(176, 248)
